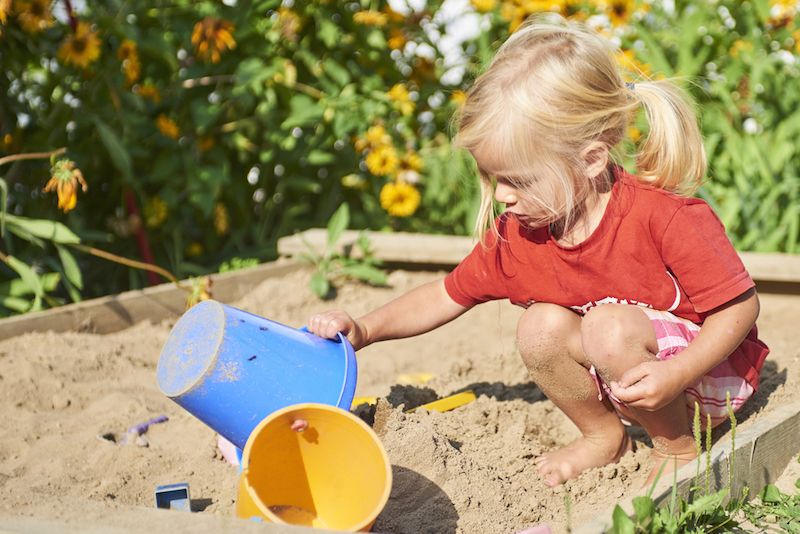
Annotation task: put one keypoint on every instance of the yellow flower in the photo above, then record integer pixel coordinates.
(634, 133)
(147, 90)
(81, 48)
(205, 143)
(412, 161)
(399, 199)
(397, 39)
(620, 11)
(289, 23)
(194, 249)
(155, 212)
(354, 181)
(211, 37)
(5, 7)
(370, 18)
(394, 16)
(459, 97)
(168, 127)
(65, 181)
(740, 45)
(626, 59)
(33, 15)
(221, 219)
(129, 55)
(401, 99)
(375, 137)
(483, 6)
(382, 160)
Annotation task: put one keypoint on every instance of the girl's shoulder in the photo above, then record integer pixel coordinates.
(643, 195)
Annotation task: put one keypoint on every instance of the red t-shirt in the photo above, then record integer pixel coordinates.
(652, 248)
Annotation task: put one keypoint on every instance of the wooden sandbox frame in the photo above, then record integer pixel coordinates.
(762, 450)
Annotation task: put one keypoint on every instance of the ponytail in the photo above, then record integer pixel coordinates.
(672, 156)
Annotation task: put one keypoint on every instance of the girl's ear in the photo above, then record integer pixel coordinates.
(595, 157)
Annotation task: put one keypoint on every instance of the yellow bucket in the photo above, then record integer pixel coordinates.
(335, 474)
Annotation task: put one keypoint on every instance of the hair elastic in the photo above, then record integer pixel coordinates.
(630, 85)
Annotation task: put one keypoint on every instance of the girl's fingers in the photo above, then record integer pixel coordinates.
(634, 375)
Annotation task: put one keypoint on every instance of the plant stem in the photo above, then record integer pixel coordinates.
(32, 155)
(130, 263)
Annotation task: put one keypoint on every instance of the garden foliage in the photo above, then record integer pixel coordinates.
(205, 130)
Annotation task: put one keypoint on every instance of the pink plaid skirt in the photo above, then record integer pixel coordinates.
(674, 334)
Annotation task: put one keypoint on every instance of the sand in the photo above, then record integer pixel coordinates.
(67, 400)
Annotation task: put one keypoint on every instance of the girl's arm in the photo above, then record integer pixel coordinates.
(420, 310)
(652, 385)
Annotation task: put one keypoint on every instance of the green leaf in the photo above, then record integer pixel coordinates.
(329, 33)
(71, 269)
(318, 157)
(366, 273)
(46, 229)
(706, 503)
(16, 304)
(336, 72)
(622, 524)
(771, 494)
(18, 287)
(338, 224)
(119, 154)
(3, 204)
(644, 508)
(27, 274)
(303, 111)
(320, 285)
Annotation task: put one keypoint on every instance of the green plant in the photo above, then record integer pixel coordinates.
(775, 508)
(333, 265)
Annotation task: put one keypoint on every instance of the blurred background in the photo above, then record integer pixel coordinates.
(196, 133)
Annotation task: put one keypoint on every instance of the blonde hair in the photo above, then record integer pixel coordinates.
(552, 90)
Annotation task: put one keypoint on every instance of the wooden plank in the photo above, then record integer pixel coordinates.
(430, 249)
(762, 452)
(116, 312)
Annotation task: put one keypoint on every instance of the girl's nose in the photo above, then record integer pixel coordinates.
(505, 194)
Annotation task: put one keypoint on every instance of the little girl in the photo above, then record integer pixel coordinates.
(637, 305)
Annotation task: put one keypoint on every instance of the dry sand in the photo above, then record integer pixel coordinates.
(469, 470)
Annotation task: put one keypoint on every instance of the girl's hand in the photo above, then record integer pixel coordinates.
(649, 385)
(330, 323)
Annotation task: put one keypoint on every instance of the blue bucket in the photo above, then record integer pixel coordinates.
(231, 369)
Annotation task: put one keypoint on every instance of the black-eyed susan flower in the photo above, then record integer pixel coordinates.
(399, 199)
(483, 6)
(205, 143)
(221, 219)
(33, 15)
(410, 167)
(401, 99)
(370, 17)
(128, 53)
(375, 136)
(620, 11)
(149, 91)
(168, 127)
(5, 7)
(81, 48)
(211, 37)
(397, 39)
(626, 59)
(289, 23)
(458, 97)
(382, 160)
(194, 249)
(155, 212)
(65, 179)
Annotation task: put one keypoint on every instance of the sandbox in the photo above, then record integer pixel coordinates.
(67, 398)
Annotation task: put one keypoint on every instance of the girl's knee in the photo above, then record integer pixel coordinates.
(611, 331)
(547, 331)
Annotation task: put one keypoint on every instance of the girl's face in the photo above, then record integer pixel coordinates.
(535, 207)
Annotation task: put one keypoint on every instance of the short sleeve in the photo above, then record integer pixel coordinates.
(700, 255)
(478, 278)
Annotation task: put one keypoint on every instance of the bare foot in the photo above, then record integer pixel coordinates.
(557, 467)
(666, 464)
